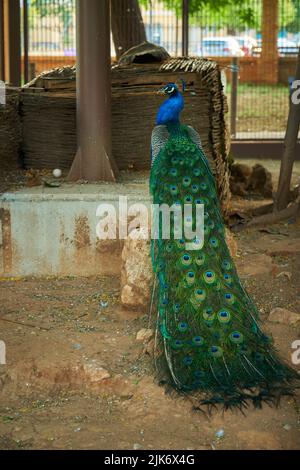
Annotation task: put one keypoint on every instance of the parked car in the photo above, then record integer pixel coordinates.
(296, 39)
(247, 44)
(40, 46)
(221, 46)
(285, 47)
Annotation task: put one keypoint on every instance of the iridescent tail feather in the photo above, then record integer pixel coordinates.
(211, 342)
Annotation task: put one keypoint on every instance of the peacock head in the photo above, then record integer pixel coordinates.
(171, 108)
(169, 89)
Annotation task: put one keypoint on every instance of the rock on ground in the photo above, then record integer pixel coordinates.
(136, 272)
(245, 179)
(256, 265)
(284, 316)
(95, 373)
(231, 242)
(145, 334)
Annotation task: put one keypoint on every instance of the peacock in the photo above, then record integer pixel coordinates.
(212, 348)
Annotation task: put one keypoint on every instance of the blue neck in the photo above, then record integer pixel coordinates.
(170, 110)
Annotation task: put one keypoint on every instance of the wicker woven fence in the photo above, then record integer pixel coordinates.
(10, 131)
(48, 110)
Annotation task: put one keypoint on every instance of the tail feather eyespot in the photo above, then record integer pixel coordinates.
(224, 316)
(209, 277)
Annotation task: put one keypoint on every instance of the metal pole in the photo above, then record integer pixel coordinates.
(151, 21)
(234, 89)
(26, 40)
(93, 161)
(185, 27)
(2, 66)
(12, 44)
(176, 36)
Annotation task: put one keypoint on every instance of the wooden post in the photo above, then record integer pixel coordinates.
(289, 153)
(12, 41)
(233, 96)
(185, 28)
(2, 65)
(26, 40)
(268, 63)
(93, 161)
(176, 35)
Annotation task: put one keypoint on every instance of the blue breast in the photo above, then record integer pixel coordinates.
(170, 110)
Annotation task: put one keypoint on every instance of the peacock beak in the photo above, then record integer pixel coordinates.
(162, 91)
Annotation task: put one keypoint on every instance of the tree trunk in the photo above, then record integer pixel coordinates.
(127, 25)
(289, 153)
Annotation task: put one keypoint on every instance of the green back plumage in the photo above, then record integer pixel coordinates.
(209, 327)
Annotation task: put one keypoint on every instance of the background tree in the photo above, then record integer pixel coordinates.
(127, 25)
(65, 11)
(126, 20)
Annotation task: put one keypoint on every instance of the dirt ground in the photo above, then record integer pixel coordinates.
(77, 378)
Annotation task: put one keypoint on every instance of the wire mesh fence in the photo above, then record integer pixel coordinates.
(235, 30)
(51, 33)
(222, 33)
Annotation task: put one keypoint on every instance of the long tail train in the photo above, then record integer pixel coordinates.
(212, 347)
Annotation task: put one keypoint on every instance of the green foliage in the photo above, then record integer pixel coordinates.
(294, 24)
(49, 7)
(233, 14)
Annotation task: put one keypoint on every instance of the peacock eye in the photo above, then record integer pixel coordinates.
(190, 277)
(183, 326)
(200, 259)
(236, 337)
(224, 316)
(216, 351)
(188, 360)
(226, 265)
(200, 294)
(209, 315)
(229, 298)
(209, 277)
(198, 341)
(177, 344)
(213, 241)
(186, 260)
